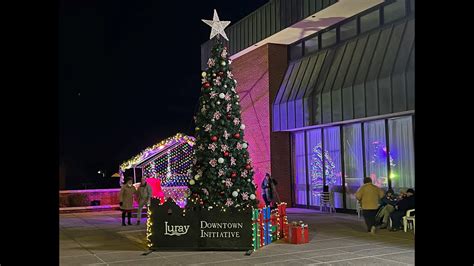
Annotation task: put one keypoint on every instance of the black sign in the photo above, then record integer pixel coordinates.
(175, 228)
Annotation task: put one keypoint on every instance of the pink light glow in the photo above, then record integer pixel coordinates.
(156, 189)
(255, 107)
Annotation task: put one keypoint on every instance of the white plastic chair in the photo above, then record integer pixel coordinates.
(358, 209)
(326, 200)
(406, 220)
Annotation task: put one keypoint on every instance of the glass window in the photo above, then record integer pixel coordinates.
(328, 38)
(394, 11)
(348, 29)
(376, 153)
(353, 162)
(311, 45)
(332, 164)
(300, 169)
(315, 165)
(402, 170)
(296, 51)
(412, 6)
(370, 21)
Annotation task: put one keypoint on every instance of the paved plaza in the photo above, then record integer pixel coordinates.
(335, 239)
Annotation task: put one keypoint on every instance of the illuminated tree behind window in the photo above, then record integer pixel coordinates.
(378, 161)
(317, 169)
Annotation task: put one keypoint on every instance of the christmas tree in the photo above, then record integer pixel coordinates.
(222, 175)
(317, 169)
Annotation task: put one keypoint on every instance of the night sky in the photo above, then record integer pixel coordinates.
(129, 76)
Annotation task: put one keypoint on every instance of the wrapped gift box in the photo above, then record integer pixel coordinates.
(275, 220)
(267, 233)
(261, 229)
(283, 221)
(255, 229)
(297, 233)
(274, 233)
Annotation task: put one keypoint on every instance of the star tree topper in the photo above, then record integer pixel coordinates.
(217, 26)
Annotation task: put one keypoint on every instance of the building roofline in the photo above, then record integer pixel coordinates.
(316, 22)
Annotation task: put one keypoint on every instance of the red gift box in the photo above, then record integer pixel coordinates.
(275, 220)
(286, 230)
(283, 220)
(260, 225)
(297, 233)
(282, 209)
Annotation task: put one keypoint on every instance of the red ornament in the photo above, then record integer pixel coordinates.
(222, 192)
(248, 167)
(237, 135)
(226, 154)
(207, 85)
(233, 175)
(214, 138)
(221, 73)
(228, 116)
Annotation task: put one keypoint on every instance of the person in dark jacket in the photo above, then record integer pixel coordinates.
(401, 208)
(268, 186)
(387, 204)
(389, 199)
(144, 197)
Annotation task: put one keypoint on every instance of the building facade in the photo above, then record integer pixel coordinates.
(328, 95)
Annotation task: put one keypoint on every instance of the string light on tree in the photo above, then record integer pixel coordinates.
(317, 169)
(220, 161)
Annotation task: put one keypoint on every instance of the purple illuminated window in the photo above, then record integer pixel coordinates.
(332, 163)
(299, 168)
(315, 165)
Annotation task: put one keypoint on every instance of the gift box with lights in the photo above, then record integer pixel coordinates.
(267, 233)
(274, 232)
(255, 229)
(275, 221)
(283, 220)
(261, 228)
(297, 233)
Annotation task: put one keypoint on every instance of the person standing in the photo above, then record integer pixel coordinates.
(369, 196)
(126, 200)
(144, 196)
(268, 187)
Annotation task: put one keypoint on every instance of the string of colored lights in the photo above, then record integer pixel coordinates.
(149, 231)
(150, 151)
(317, 169)
(177, 194)
(172, 167)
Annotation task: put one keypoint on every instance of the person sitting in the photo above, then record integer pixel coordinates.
(401, 208)
(388, 203)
